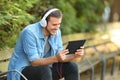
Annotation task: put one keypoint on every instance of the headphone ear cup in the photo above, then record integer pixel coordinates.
(43, 23)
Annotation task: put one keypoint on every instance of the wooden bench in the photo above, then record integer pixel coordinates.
(3, 74)
(98, 54)
(94, 54)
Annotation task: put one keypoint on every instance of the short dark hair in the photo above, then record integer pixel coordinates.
(57, 14)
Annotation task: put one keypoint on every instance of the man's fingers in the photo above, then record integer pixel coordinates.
(80, 51)
(65, 51)
(81, 47)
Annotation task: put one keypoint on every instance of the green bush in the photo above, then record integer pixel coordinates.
(13, 17)
(78, 16)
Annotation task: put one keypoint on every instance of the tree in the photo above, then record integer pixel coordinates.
(115, 11)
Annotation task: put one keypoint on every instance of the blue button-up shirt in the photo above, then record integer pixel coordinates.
(30, 47)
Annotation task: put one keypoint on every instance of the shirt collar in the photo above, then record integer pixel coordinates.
(41, 35)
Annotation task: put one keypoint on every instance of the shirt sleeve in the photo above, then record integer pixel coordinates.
(29, 45)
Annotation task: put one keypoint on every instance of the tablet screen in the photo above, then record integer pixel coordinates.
(74, 45)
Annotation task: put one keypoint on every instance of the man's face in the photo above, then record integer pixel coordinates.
(53, 25)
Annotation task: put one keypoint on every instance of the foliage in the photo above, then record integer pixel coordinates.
(78, 16)
(13, 16)
(88, 14)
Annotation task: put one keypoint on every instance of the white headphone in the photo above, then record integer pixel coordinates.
(43, 21)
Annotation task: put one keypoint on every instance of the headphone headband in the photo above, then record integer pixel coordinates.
(49, 12)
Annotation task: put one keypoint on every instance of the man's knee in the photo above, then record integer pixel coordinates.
(74, 67)
(45, 71)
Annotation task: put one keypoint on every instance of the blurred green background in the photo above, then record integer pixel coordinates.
(79, 16)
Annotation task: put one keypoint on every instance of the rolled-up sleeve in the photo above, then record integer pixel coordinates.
(29, 45)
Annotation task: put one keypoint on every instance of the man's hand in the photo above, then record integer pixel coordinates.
(61, 56)
(79, 52)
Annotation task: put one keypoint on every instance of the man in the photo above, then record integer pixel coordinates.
(39, 53)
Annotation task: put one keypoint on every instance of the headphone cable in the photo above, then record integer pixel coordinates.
(59, 70)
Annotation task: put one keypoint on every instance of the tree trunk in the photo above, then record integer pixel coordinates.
(115, 11)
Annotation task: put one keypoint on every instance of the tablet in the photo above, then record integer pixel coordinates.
(74, 45)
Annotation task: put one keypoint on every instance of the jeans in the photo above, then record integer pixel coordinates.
(67, 70)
